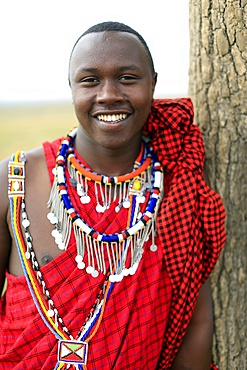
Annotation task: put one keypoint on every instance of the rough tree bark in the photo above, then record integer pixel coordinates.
(218, 88)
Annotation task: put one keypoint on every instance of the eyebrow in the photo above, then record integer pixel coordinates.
(130, 67)
(121, 69)
(86, 70)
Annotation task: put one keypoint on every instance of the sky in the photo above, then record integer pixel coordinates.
(36, 38)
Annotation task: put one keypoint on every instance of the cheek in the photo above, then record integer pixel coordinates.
(144, 96)
(143, 104)
(82, 103)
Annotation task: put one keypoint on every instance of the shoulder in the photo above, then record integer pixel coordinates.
(35, 160)
(5, 239)
(36, 174)
(4, 187)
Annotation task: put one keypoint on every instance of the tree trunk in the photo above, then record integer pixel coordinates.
(218, 88)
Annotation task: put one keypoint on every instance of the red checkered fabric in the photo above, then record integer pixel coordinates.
(191, 218)
(134, 320)
(147, 314)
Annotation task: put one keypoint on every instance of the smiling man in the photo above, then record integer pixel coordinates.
(109, 235)
(112, 87)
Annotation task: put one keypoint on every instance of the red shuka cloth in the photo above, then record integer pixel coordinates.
(134, 330)
(191, 220)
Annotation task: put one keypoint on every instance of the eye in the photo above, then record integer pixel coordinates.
(89, 80)
(127, 78)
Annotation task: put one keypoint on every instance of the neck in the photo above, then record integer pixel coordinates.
(109, 161)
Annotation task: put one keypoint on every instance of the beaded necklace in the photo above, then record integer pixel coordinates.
(35, 280)
(104, 184)
(105, 251)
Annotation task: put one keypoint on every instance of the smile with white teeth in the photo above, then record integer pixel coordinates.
(112, 117)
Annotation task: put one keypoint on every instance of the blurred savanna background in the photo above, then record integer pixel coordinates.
(25, 126)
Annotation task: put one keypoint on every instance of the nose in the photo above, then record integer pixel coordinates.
(109, 93)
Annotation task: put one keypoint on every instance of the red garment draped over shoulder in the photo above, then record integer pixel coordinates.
(191, 220)
(147, 314)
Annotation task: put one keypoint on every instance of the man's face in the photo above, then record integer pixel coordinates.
(112, 88)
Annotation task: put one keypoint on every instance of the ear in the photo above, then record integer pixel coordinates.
(154, 81)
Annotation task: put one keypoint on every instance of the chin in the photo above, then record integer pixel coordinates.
(111, 142)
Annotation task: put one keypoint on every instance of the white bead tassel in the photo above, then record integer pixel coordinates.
(80, 243)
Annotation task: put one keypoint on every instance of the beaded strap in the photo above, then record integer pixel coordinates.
(29, 262)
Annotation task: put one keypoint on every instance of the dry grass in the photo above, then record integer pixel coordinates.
(27, 126)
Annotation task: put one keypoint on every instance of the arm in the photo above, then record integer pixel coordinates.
(5, 238)
(195, 350)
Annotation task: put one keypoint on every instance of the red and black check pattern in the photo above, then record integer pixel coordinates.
(147, 314)
(133, 325)
(191, 218)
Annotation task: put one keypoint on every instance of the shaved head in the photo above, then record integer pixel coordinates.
(117, 27)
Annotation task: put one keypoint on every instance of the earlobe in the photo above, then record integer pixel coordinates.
(69, 81)
(155, 77)
(72, 98)
(154, 81)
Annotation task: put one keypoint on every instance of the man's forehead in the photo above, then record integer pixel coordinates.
(93, 41)
(109, 47)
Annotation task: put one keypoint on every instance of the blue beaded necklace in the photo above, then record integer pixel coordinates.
(99, 246)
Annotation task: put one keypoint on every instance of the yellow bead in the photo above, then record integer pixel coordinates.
(137, 185)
